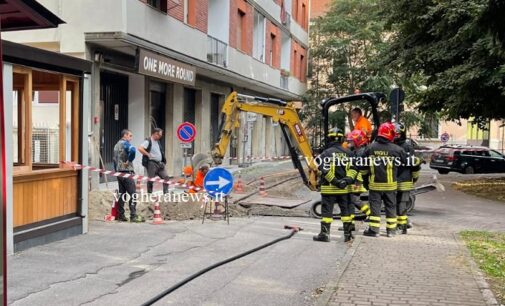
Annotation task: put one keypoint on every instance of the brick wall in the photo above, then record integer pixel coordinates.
(176, 9)
(276, 48)
(247, 26)
(298, 66)
(319, 8)
(198, 13)
(298, 14)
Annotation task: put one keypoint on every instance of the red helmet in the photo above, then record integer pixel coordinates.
(387, 131)
(358, 138)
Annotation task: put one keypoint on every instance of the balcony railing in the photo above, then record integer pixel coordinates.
(217, 51)
(284, 82)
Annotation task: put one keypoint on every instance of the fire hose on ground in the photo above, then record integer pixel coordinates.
(294, 230)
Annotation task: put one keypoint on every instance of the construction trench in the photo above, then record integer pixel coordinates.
(286, 196)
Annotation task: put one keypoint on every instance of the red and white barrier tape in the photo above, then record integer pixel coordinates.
(135, 177)
(262, 157)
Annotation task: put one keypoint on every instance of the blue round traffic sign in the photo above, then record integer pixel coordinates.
(218, 181)
(444, 137)
(186, 132)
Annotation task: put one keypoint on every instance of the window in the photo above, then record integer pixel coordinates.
(271, 51)
(304, 16)
(240, 30)
(45, 114)
(259, 37)
(495, 154)
(295, 68)
(190, 12)
(158, 4)
(482, 153)
(302, 68)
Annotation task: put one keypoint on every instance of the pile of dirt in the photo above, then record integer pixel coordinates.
(489, 188)
(100, 203)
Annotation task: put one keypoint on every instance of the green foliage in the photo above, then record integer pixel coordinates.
(456, 50)
(347, 42)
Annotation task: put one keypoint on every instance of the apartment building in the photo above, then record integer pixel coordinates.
(158, 63)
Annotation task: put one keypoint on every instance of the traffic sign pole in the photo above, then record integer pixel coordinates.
(218, 182)
(186, 132)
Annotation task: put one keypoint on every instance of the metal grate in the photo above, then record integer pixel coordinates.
(45, 145)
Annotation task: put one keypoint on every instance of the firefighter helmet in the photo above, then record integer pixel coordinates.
(387, 131)
(358, 138)
(400, 131)
(336, 134)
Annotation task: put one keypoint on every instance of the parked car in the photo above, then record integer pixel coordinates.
(419, 147)
(467, 159)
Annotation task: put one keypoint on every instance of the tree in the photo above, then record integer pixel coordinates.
(458, 52)
(346, 44)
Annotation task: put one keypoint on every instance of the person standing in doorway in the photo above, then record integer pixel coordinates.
(124, 154)
(153, 159)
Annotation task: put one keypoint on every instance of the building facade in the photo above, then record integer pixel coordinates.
(160, 63)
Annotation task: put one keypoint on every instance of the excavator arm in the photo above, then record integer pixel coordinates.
(280, 111)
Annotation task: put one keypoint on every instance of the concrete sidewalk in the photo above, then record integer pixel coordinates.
(428, 266)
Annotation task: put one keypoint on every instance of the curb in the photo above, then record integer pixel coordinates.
(332, 285)
(482, 284)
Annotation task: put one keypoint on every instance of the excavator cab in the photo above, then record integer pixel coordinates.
(373, 99)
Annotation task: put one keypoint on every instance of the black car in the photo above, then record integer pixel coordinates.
(467, 159)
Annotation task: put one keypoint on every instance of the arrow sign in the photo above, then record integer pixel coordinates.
(218, 181)
(221, 182)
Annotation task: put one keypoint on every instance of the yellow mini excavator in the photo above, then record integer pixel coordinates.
(284, 113)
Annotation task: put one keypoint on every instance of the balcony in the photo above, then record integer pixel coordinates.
(285, 82)
(217, 51)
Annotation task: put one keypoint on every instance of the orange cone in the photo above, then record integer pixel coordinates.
(113, 211)
(157, 219)
(263, 191)
(239, 187)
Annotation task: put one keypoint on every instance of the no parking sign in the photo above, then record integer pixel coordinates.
(444, 137)
(186, 132)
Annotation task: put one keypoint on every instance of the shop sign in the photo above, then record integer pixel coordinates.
(165, 68)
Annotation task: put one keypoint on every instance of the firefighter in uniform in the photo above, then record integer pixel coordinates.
(382, 158)
(358, 141)
(336, 175)
(407, 176)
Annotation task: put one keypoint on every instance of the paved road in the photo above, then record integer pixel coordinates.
(126, 264)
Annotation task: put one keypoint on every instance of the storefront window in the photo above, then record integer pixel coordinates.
(44, 132)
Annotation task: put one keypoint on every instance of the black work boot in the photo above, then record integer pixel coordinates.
(370, 233)
(391, 232)
(122, 218)
(404, 229)
(324, 235)
(347, 232)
